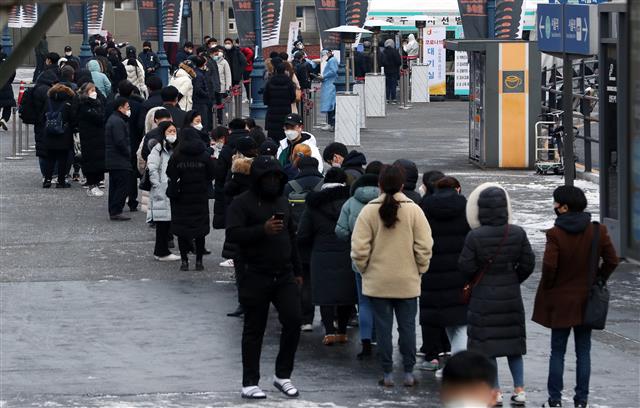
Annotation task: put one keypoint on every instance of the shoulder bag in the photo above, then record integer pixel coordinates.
(597, 307)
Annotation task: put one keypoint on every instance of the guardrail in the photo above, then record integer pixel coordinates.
(20, 140)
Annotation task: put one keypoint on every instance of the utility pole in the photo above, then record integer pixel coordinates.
(258, 110)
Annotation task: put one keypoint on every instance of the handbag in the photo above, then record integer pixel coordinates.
(597, 307)
(145, 181)
(468, 288)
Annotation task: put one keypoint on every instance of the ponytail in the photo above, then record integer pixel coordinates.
(391, 181)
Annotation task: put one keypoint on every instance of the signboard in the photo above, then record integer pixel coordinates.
(244, 13)
(550, 25)
(435, 57)
(294, 29)
(148, 19)
(171, 18)
(461, 69)
(580, 29)
(356, 12)
(327, 17)
(271, 20)
(474, 18)
(508, 19)
(74, 16)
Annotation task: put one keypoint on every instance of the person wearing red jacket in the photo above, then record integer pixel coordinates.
(246, 75)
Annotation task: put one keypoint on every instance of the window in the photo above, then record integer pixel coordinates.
(299, 12)
(231, 14)
(124, 4)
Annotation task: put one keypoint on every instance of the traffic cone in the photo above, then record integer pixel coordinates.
(21, 92)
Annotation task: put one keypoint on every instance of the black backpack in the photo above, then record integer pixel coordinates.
(54, 125)
(297, 198)
(27, 109)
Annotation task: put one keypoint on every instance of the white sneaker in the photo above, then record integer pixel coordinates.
(519, 399)
(499, 399)
(227, 264)
(3, 124)
(306, 328)
(327, 128)
(95, 192)
(168, 258)
(439, 373)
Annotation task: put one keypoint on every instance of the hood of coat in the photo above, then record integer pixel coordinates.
(241, 164)
(262, 166)
(235, 135)
(330, 199)
(444, 205)
(309, 171)
(410, 173)
(48, 77)
(93, 66)
(488, 204)
(366, 180)
(389, 43)
(354, 159)
(60, 92)
(185, 70)
(367, 194)
(573, 222)
(190, 143)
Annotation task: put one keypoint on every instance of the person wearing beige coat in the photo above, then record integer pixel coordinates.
(391, 247)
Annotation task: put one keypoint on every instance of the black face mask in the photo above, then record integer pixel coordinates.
(557, 211)
(270, 188)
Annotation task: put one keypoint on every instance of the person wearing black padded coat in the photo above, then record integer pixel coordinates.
(496, 321)
(279, 94)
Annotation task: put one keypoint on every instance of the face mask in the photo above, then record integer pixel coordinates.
(217, 58)
(270, 188)
(218, 145)
(68, 54)
(557, 211)
(197, 126)
(291, 134)
(213, 45)
(336, 164)
(171, 138)
(128, 113)
(300, 46)
(93, 95)
(146, 50)
(228, 46)
(465, 404)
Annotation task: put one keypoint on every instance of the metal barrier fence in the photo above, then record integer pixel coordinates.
(585, 88)
(20, 140)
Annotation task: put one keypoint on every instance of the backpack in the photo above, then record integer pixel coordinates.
(297, 198)
(54, 122)
(27, 109)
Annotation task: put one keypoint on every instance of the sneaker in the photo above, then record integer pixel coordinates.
(119, 217)
(101, 185)
(87, 185)
(439, 372)
(519, 399)
(432, 365)
(63, 185)
(306, 328)
(581, 404)
(499, 399)
(95, 192)
(168, 258)
(327, 128)
(46, 183)
(3, 124)
(552, 404)
(227, 264)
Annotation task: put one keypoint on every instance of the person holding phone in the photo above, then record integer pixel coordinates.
(259, 224)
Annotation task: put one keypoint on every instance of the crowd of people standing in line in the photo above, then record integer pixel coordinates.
(360, 234)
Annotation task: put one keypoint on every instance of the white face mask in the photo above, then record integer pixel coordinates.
(218, 145)
(464, 403)
(228, 46)
(291, 134)
(171, 138)
(336, 164)
(68, 54)
(128, 113)
(93, 95)
(197, 126)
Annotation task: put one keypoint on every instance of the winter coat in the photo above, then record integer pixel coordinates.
(40, 97)
(182, 80)
(222, 166)
(566, 270)
(90, 122)
(353, 165)
(237, 63)
(496, 326)
(303, 72)
(279, 93)
(181, 56)
(190, 169)
(248, 55)
(391, 61)
(224, 73)
(177, 114)
(60, 99)
(149, 60)
(117, 74)
(363, 62)
(391, 260)
(7, 99)
(135, 75)
(200, 89)
(153, 101)
(285, 148)
(328, 88)
(117, 143)
(100, 80)
(239, 183)
(159, 203)
(441, 301)
(363, 191)
(411, 179)
(332, 280)
(213, 77)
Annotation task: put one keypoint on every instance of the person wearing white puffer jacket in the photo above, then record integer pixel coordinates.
(182, 80)
(135, 71)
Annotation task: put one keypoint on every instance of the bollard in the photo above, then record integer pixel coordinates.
(404, 89)
(14, 141)
(237, 100)
(26, 147)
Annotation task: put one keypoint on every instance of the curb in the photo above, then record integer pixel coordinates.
(587, 176)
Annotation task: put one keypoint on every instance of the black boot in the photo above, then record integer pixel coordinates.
(199, 265)
(184, 266)
(366, 350)
(238, 312)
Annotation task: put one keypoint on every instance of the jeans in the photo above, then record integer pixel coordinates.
(185, 245)
(516, 366)
(391, 83)
(559, 338)
(340, 313)
(405, 311)
(308, 309)
(119, 186)
(286, 299)
(457, 337)
(56, 157)
(162, 238)
(365, 312)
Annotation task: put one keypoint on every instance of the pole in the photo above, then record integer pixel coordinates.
(85, 50)
(201, 13)
(342, 20)
(375, 30)
(222, 28)
(567, 120)
(163, 72)
(7, 44)
(258, 110)
(491, 18)
(421, 44)
(212, 5)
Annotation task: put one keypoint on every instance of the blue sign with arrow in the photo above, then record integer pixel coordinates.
(578, 34)
(550, 27)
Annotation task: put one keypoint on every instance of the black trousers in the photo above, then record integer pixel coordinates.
(119, 186)
(6, 113)
(434, 342)
(286, 299)
(185, 245)
(162, 238)
(246, 75)
(340, 313)
(59, 156)
(132, 193)
(308, 308)
(220, 111)
(94, 177)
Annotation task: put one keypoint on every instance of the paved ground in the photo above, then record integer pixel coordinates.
(89, 319)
